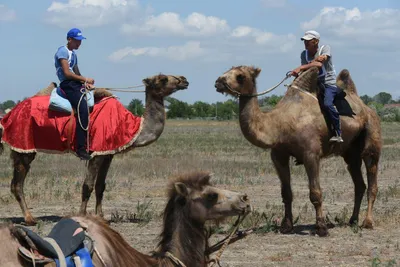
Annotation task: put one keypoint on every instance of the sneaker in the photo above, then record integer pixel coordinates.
(83, 155)
(337, 139)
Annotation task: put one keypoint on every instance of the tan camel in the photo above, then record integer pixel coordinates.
(157, 87)
(192, 201)
(296, 127)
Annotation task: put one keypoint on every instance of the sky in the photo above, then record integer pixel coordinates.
(129, 40)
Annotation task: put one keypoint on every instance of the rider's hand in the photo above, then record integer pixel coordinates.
(90, 86)
(90, 80)
(295, 72)
(321, 58)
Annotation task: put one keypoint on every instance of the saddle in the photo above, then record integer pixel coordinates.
(67, 245)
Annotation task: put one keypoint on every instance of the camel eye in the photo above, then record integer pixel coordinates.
(164, 80)
(212, 197)
(240, 78)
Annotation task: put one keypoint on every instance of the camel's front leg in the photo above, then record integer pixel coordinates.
(281, 163)
(101, 183)
(311, 163)
(21, 168)
(88, 185)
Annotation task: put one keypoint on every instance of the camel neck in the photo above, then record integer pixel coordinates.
(184, 238)
(153, 120)
(258, 127)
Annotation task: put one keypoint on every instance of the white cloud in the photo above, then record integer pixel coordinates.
(88, 13)
(282, 43)
(273, 3)
(6, 14)
(187, 51)
(368, 28)
(168, 23)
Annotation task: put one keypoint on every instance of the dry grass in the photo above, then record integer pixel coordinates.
(136, 193)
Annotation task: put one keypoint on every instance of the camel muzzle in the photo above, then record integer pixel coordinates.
(220, 85)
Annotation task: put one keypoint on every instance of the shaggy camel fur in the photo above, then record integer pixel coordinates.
(296, 128)
(157, 87)
(192, 201)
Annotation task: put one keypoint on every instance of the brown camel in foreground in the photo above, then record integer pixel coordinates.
(157, 88)
(192, 201)
(297, 128)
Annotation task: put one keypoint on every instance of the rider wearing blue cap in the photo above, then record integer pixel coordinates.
(71, 82)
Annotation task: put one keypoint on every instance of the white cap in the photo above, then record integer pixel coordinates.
(309, 35)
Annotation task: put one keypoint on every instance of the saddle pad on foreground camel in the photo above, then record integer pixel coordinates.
(31, 126)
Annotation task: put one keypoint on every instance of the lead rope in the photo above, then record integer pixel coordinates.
(84, 95)
(217, 258)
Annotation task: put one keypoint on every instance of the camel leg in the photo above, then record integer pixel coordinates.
(281, 163)
(22, 163)
(354, 163)
(311, 163)
(371, 164)
(88, 185)
(101, 183)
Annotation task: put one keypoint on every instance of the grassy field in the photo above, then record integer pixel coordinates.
(136, 182)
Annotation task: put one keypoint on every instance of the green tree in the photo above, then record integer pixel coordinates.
(178, 109)
(366, 99)
(383, 98)
(136, 107)
(201, 109)
(7, 104)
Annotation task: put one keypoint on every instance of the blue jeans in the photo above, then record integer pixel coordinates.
(73, 93)
(329, 96)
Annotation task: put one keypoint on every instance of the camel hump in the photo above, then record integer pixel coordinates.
(345, 82)
(47, 90)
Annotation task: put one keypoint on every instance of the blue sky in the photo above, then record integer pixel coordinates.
(128, 40)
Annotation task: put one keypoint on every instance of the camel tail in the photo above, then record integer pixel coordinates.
(345, 82)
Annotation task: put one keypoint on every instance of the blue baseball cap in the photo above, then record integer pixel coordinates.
(76, 34)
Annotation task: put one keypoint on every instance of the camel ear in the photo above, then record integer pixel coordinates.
(181, 189)
(146, 82)
(256, 71)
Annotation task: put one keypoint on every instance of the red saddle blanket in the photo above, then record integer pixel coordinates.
(31, 127)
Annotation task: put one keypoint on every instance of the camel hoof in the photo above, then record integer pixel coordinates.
(353, 221)
(367, 224)
(30, 221)
(321, 229)
(286, 227)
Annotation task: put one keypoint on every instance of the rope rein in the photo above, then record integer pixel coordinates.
(238, 94)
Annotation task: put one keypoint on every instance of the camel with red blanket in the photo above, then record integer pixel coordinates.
(32, 127)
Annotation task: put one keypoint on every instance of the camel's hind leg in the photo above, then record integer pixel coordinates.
(371, 164)
(281, 163)
(371, 154)
(354, 163)
(22, 163)
(90, 177)
(101, 183)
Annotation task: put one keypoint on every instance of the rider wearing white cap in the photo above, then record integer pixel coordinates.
(321, 57)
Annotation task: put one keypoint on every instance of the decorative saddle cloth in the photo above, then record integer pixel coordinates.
(31, 127)
(67, 239)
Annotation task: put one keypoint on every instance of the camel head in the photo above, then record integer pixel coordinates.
(200, 201)
(164, 85)
(237, 81)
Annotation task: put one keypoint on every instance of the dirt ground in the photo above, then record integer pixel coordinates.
(53, 190)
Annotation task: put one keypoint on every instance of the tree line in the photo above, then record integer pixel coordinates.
(229, 109)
